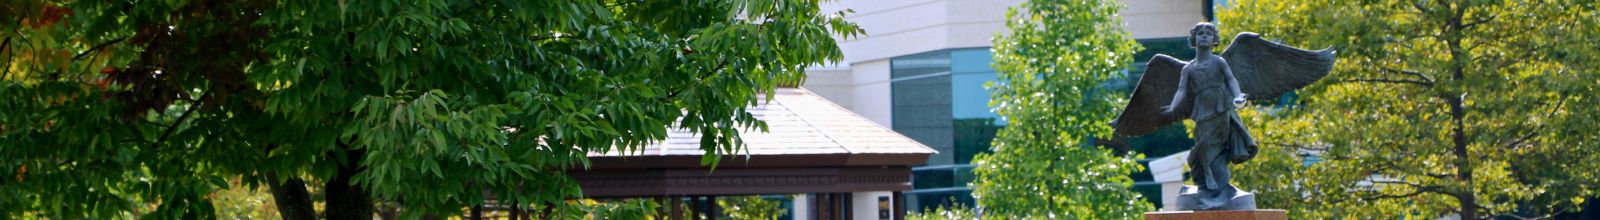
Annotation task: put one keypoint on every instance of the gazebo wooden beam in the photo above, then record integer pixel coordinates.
(741, 181)
(756, 161)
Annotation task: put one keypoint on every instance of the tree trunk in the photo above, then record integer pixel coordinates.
(1465, 196)
(477, 212)
(347, 200)
(293, 202)
(1459, 59)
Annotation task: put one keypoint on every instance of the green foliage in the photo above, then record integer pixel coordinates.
(750, 207)
(957, 212)
(626, 209)
(239, 202)
(1482, 108)
(1051, 69)
(433, 103)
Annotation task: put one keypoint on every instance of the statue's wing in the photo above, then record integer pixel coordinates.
(1155, 90)
(1267, 70)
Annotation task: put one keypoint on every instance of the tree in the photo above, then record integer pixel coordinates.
(1051, 69)
(431, 105)
(955, 212)
(1477, 108)
(750, 208)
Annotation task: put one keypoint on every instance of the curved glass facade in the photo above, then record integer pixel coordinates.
(939, 99)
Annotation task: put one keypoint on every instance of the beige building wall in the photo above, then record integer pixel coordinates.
(1147, 19)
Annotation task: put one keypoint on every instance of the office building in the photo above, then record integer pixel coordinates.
(921, 67)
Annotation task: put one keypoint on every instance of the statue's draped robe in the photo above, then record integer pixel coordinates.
(1219, 135)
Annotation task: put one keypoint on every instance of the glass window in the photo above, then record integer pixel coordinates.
(939, 100)
(969, 98)
(921, 108)
(974, 123)
(920, 101)
(935, 178)
(919, 64)
(973, 136)
(971, 60)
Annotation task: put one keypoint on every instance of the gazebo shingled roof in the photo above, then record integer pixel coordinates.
(812, 146)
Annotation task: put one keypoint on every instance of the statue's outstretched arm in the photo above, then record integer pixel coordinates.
(1177, 97)
(1233, 82)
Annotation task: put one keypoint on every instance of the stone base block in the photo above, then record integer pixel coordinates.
(1257, 214)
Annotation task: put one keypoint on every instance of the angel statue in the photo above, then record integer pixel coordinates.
(1208, 89)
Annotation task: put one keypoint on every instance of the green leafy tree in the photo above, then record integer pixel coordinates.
(956, 212)
(434, 106)
(238, 202)
(1051, 69)
(639, 209)
(750, 207)
(1479, 108)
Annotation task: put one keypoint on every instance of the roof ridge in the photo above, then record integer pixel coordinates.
(809, 123)
(869, 122)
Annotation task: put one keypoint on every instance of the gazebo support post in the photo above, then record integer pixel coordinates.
(695, 206)
(899, 205)
(516, 212)
(677, 208)
(661, 210)
(846, 200)
(824, 206)
(850, 206)
(711, 207)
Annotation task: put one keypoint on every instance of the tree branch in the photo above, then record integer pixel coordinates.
(622, 3)
(673, 93)
(1413, 185)
(97, 48)
(1419, 75)
(5, 70)
(1418, 5)
(1393, 166)
(1296, 146)
(1545, 216)
(1399, 81)
(1479, 21)
(186, 113)
(1378, 196)
(1535, 131)
(1419, 190)
(553, 36)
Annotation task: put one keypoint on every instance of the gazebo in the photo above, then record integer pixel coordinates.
(843, 165)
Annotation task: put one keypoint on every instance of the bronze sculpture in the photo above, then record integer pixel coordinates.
(1207, 90)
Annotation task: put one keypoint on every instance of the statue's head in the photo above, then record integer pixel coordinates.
(1203, 34)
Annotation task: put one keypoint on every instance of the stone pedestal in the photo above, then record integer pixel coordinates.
(1257, 214)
